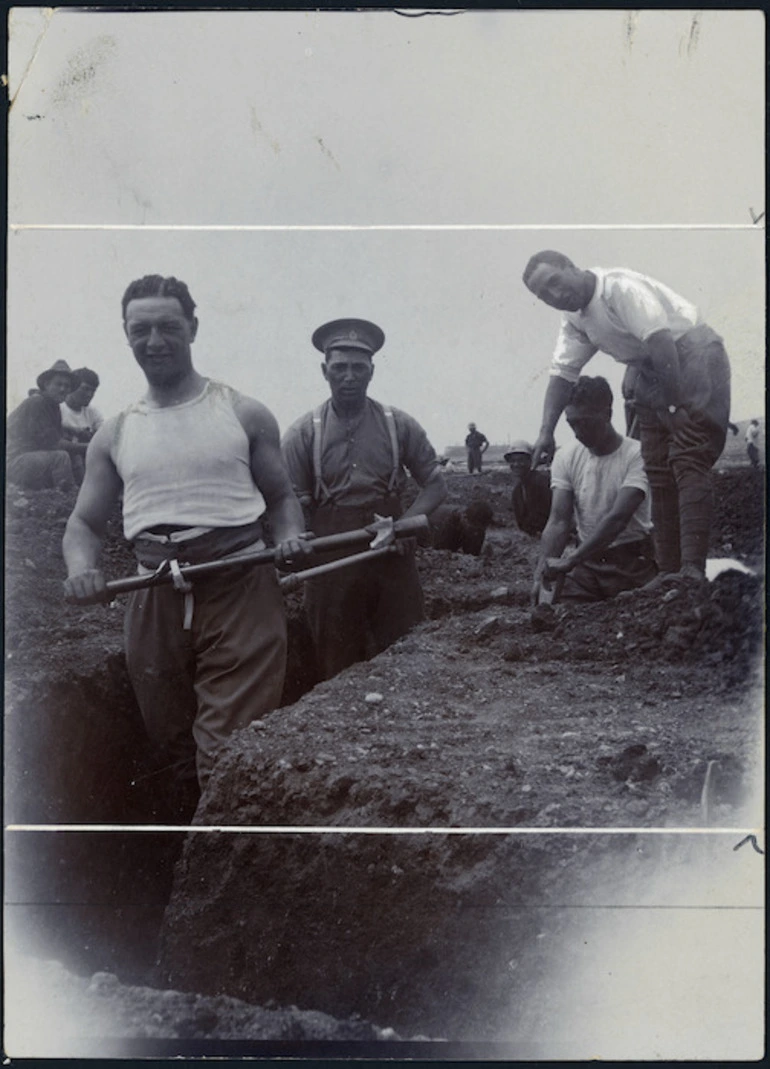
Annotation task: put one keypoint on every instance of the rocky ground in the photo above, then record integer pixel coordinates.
(640, 713)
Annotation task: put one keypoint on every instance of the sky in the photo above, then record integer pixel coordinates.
(435, 154)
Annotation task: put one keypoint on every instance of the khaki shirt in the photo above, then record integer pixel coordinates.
(357, 457)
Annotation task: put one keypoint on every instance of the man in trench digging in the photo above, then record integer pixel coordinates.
(200, 466)
(346, 460)
(598, 483)
(677, 380)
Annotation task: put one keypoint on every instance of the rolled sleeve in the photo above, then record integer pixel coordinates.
(560, 476)
(418, 455)
(636, 476)
(297, 449)
(572, 352)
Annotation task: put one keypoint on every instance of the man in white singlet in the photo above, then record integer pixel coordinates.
(199, 465)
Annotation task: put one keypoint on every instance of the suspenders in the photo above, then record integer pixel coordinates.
(320, 489)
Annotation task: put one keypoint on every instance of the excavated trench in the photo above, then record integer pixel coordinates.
(100, 896)
(611, 717)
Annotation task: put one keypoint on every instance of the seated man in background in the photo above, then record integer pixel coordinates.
(38, 454)
(531, 494)
(600, 481)
(79, 419)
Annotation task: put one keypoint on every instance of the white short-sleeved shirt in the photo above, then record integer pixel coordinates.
(87, 418)
(626, 308)
(595, 483)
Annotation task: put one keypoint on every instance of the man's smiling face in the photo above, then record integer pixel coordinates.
(160, 336)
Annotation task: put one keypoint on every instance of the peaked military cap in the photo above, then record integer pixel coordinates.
(349, 334)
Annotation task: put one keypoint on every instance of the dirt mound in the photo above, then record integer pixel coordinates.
(87, 1010)
(474, 720)
(739, 514)
(610, 717)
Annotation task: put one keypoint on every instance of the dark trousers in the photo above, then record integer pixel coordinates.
(194, 687)
(624, 567)
(359, 611)
(42, 469)
(678, 460)
(474, 459)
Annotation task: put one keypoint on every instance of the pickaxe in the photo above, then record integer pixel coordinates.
(410, 527)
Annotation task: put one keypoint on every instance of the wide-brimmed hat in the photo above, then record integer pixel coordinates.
(61, 367)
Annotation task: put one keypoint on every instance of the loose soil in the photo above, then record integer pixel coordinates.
(485, 717)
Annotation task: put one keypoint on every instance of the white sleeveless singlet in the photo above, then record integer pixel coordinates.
(186, 465)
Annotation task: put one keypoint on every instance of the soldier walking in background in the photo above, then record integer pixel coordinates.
(476, 443)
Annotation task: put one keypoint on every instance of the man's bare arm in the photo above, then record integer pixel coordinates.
(430, 496)
(556, 532)
(269, 472)
(556, 397)
(616, 520)
(85, 530)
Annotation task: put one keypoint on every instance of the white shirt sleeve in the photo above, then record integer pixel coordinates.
(635, 475)
(636, 306)
(561, 476)
(573, 351)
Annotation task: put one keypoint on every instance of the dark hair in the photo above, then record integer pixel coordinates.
(592, 393)
(547, 256)
(158, 286)
(85, 375)
(479, 513)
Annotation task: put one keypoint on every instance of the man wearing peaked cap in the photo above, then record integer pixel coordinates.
(349, 334)
(531, 493)
(348, 461)
(38, 456)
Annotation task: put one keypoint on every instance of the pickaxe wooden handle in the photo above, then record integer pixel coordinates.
(296, 579)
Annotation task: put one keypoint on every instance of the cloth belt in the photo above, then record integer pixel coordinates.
(187, 545)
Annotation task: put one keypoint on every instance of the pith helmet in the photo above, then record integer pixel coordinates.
(519, 446)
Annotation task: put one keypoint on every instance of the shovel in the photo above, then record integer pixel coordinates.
(410, 527)
(549, 590)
